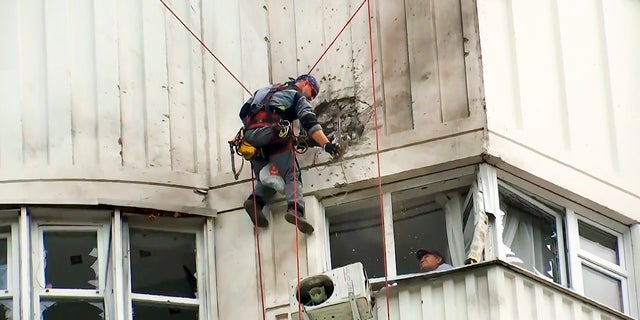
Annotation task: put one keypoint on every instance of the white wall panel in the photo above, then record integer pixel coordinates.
(561, 81)
(120, 89)
(11, 146)
(103, 88)
(115, 83)
(490, 292)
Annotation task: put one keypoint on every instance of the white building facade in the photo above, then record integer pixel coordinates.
(505, 140)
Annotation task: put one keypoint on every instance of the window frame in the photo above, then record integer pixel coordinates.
(439, 182)
(10, 219)
(622, 272)
(563, 262)
(103, 231)
(197, 227)
(572, 241)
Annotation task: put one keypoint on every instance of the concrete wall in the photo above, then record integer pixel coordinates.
(431, 117)
(114, 102)
(561, 81)
(428, 88)
(102, 102)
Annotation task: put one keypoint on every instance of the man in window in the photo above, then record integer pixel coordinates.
(431, 260)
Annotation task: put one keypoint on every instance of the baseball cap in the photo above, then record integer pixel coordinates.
(422, 252)
(312, 80)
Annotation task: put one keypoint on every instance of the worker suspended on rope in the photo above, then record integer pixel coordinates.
(268, 138)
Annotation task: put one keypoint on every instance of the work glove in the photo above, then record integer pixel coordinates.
(333, 149)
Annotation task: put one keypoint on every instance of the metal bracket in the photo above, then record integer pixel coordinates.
(354, 307)
(305, 315)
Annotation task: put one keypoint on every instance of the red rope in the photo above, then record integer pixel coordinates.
(338, 35)
(257, 229)
(375, 116)
(295, 212)
(205, 46)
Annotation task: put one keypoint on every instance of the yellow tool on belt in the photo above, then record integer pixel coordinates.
(238, 145)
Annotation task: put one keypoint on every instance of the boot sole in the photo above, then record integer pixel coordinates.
(262, 220)
(304, 226)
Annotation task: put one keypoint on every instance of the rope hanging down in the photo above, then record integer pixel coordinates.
(295, 211)
(257, 233)
(205, 47)
(337, 36)
(375, 117)
(377, 134)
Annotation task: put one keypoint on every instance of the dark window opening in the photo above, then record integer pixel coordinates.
(163, 263)
(71, 259)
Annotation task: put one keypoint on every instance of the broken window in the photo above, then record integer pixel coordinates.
(143, 311)
(70, 271)
(71, 259)
(421, 216)
(9, 271)
(580, 249)
(163, 273)
(6, 309)
(531, 232)
(6, 301)
(4, 250)
(62, 309)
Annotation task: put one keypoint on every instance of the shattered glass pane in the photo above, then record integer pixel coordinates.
(147, 311)
(3, 264)
(163, 263)
(6, 312)
(71, 259)
(64, 309)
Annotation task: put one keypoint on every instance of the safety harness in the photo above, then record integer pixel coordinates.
(260, 118)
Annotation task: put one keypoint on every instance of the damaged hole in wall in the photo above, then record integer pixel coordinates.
(343, 119)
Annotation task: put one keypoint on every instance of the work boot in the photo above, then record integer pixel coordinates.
(303, 225)
(248, 206)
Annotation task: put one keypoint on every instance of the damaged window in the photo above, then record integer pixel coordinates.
(6, 311)
(70, 272)
(8, 273)
(143, 311)
(163, 271)
(163, 263)
(417, 217)
(71, 260)
(4, 250)
(6, 301)
(531, 233)
(94, 265)
(60, 309)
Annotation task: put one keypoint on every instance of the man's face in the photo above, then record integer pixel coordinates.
(308, 90)
(429, 262)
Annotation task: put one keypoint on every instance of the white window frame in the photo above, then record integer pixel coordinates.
(10, 220)
(572, 240)
(38, 228)
(579, 256)
(197, 227)
(430, 184)
(559, 229)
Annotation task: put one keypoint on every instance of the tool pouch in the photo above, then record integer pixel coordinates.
(246, 150)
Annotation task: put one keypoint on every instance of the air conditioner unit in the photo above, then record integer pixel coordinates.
(343, 293)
